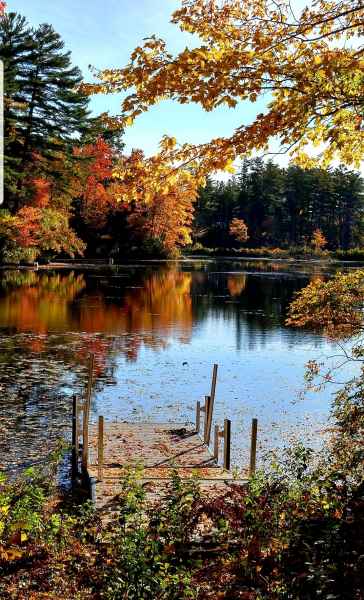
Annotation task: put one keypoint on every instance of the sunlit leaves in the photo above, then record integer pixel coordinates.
(335, 305)
(308, 63)
(166, 215)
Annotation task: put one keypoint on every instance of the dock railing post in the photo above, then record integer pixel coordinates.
(216, 443)
(253, 447)
(206, 411)
(208, 416)
(198, 416)
(227, 443)
(86, 413)
(100, 449)
(75, 437)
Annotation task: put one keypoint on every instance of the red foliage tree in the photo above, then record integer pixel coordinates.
(95, 173)
(42, 189)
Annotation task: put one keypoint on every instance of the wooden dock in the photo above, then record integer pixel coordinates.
(110, 449)
(156, 448)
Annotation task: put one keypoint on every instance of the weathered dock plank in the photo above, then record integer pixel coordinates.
(159, 448)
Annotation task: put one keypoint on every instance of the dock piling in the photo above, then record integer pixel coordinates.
(207, 412)
(198, 416)
(253, 447)
(211, 405)
(86, 413)
(100, 449)
(216, 443)
(75, 437)
(227, 443)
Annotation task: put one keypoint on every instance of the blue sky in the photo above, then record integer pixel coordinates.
(104, 34)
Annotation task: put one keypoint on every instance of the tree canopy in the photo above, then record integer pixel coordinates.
(309, 65)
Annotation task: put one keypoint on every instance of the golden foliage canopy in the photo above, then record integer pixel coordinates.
(167, 218)
(309, 66)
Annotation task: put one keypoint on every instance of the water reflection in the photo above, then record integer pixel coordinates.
(155, 330)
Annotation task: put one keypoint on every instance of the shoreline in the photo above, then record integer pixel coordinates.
(97, 264)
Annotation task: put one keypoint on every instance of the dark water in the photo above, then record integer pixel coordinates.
(156, 330)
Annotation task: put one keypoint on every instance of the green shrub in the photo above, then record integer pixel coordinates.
(144, 562)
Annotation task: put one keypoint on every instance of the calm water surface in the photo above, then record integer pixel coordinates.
(156, 330)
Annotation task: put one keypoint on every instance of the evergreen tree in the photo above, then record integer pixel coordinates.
(15, 49)
(349, 190)
(44, 111)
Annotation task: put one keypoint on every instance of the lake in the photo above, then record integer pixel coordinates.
(156, 329)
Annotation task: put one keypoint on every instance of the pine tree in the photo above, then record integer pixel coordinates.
(15, 48)
(45, 112)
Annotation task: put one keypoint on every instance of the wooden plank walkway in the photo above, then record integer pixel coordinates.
(158, 448)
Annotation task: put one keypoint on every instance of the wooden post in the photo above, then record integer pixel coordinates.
(213, 382)
(86, 413)
(75, 437)
(206, 411)
(211, 405)
(227, 443)
(198, 416)
(100, 450)
(216, 443)
(253, 447)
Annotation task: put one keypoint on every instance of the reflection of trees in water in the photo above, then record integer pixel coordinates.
(162, 304)
(38, 302)
(236, 284)
(151, 310)
(257, 311)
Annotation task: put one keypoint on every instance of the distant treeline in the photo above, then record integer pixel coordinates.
(282, 207)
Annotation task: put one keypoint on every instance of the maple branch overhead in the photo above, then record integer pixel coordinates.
(251, 49)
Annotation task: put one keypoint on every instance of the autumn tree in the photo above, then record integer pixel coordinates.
(309, 63)
(318, 240)
(164, 222)
(239, 230)
(335, 307)
(133, 197)
(36, 231)
(93, 177)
